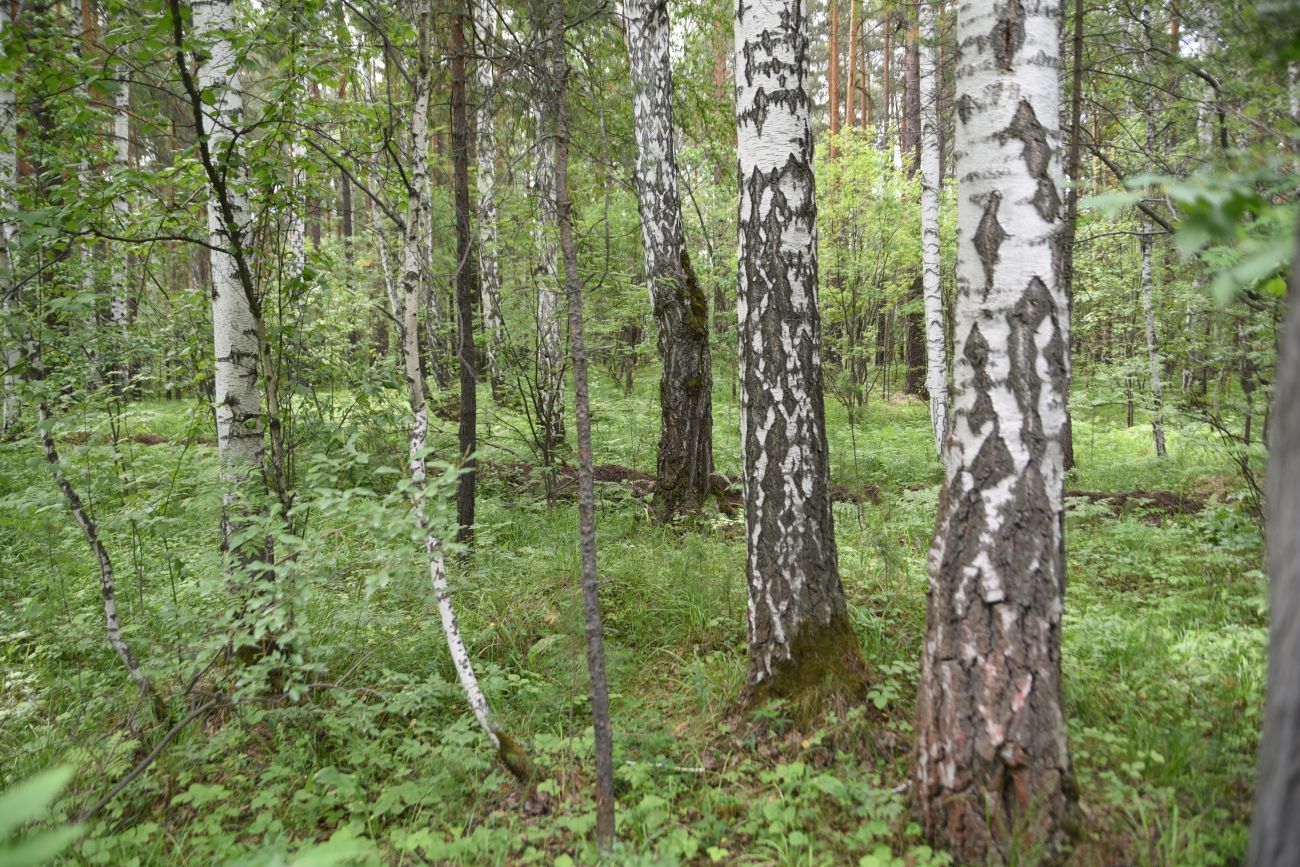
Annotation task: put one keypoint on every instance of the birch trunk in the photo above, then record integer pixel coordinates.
(235, 327)
(992, 760)
(936, 344)
(602, 727)
(550, 350)
(1275, 833)
(678, 301)
(800, 640)
(9, 402)
(1153, 350)
(507, 749)
(486, 179)
(119, 306)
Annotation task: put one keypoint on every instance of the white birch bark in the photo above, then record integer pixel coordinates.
(9, 402)
(1153, 348)
(797, 617)
(119, 309)
(680, 308)
(385, 267)
(412, 272)
(992, 762)
(489, 270)
(936, 346)
(550, 347)
(234, 328)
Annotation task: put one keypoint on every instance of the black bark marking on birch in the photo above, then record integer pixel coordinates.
(1038, 156)
(1008, 34)
(989, 236)
(965, 107)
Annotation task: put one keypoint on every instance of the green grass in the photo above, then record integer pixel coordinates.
(1164, 654)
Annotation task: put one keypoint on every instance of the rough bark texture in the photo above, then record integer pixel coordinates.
(851, 86)
(914, 378)
(992, 761)
(238, 397)
(680, 307)
(602, 728)
(800, 642)
(550, 350)
(466, 280)
(1074, 169)
(485, 155)
(1274, 832)
(833, 72)
(936, 344)
(508, 750)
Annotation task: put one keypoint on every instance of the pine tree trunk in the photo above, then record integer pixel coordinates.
(1274, 832)
(466, 280)
(508, 750)
(602, 727)
(936, 344)
(992, 760)
(833, 74)
(851, 88)
(800, 641)
(486, 178)
(550, 349)
(680, 307)
(235, 325)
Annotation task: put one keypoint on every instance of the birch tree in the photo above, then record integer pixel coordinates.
(489, 270)
(235, 326)
(508, 750)
(465, 278)
(992, 762)
(550, 350)
(800, 640)
(9, 402)
(936, 343)
(678, 301)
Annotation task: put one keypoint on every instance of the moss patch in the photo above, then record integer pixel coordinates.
(825, 671)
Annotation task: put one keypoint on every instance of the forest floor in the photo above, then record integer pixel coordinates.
(1164, 642)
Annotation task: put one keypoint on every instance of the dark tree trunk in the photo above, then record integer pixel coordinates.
(914, 377)
(466, 282)
(1275, 833)
(801, 645)
(599, 687)
(1073, 168)
(681, 309)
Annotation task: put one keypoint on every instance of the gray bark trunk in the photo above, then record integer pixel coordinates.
(1275, 833)
(798, 627)
(9, 402)
(992, 760)
(550, 349)
(486, 157)
(680, 307)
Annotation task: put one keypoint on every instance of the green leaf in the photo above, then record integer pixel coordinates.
(29, 799)
(39, 847)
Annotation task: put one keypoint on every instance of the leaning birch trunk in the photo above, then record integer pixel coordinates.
(936, 344)
(485, 158)
(1274, 832)
(1153, 350)
(107, 581)
(507, 749)
(237, 397)
(992, 760)
(9, 402)
(680, 307)
(801, 645)
(550, 349)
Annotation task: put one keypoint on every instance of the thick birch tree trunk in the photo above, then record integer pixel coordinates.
(508, 750)
(1274, 832)
(800, 640)
(489, 269)
(235, 327)
(992, 761)
(681, 309)
(602, 727)
(550, 349)
(936, 343)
